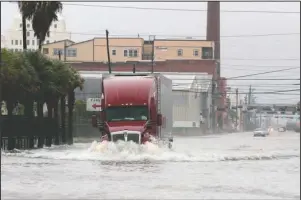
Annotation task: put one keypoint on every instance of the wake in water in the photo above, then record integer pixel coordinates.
(131, 152)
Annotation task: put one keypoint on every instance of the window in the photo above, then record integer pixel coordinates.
(127, 113)
(28, 33)
(57, 51)
(135, 53)
(12, 42)
(45, 51)
(180, 52)
(27, 25)
(16, 50)
(20, 25)
(16, 42)
(125, 53)
(130, 53)
(71, 52)
(55, 25)
(47, 41)
(20, 42)
(195, 52)
(33, 42)
(114, 52)
(207, 53)
(27, 42)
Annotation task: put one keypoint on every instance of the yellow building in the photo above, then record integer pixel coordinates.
(130, 49)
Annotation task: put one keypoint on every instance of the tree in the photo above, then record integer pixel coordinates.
(42, 14)
(26, 8)
(45, 13)
(17, 75)
(29, 77)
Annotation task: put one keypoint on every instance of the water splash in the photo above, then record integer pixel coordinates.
(131, 152)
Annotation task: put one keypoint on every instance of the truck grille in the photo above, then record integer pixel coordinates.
(117, 137)
(134, 138)
(130, 137)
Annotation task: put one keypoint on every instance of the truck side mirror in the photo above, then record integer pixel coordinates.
(148, 124)
(94, 121)
(159, 119)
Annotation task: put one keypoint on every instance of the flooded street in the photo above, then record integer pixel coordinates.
(236, 166)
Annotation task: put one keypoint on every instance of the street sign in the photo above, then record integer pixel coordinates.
(93, 104)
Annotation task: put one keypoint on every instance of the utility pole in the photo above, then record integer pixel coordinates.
(59, 55)
(236, 108)
(250, 95)
(153, 50)
(108, 52)
(65, 51)
(213, 114)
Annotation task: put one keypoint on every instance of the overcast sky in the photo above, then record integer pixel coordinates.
(257, 54)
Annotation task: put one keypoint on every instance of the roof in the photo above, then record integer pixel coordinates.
(67, 40)
(133, 90)
(204, 80)
(182, 40)
(181, 81)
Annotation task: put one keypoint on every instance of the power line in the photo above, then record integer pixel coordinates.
(266, 85)
(165, 35)
(261, 59)
(261, 66)
(242, 69)
(268, 72)
(183, 10)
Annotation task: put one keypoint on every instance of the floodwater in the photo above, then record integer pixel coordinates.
(236, 166)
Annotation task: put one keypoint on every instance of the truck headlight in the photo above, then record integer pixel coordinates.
(146, 134)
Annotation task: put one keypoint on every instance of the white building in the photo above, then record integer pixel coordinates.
(14, 39)
(191, 98)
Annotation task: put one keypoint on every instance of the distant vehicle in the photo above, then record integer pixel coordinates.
(260, 132)
(281, 129)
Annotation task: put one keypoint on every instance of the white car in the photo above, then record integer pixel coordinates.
(281, 129)
(260, 132)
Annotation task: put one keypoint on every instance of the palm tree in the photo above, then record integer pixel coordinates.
(45, 14)
(42, 14)
(26, 8)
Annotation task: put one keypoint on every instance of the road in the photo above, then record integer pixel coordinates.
(236, 166)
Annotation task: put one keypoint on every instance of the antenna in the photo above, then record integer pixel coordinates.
(108, 52)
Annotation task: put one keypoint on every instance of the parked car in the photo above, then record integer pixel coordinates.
(260, 132)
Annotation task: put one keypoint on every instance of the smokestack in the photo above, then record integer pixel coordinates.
(213, 29)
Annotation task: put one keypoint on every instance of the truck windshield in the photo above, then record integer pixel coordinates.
(127, 113)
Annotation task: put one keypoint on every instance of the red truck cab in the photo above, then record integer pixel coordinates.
(129, 109)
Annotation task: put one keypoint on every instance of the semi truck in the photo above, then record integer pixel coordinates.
(135, 107)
